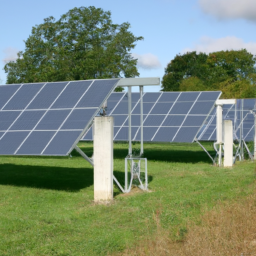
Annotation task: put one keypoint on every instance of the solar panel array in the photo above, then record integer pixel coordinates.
(167, 116)
(48, 118)
(232, 112)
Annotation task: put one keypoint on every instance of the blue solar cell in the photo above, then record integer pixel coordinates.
(228, 107)
(35, 143)
(173, 120)
(70, 96)
(186, 134)
(135, 120)
(165, 134)
(135, 97)
(169, 96)
(247, 126)
(249, 136)
(148, 133)
(116, 96)
(110, 107)
(214, 121)
(6, 92)
(201, 108)
(230, 114)
(97, 93)
(7, 118)
(23, 97)
(213, 135)
(122, 108)
(212, 96)
(194, 121)
(123, 133)
(181, 108)
(188, 96)
(154, 120)
(119, 119)
(62, 143)
(11, 141)
(161, 108)
(88, 135)
(79, 118)
(27, 120)
(249, 104)
(207, 133)
(151, 96)
(52, 120)
(47, 95)
(146, 108)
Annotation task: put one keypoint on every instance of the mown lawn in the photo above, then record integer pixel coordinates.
(47, 208)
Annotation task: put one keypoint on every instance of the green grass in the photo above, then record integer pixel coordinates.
(46, 203)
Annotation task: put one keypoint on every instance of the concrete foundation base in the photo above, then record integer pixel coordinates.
(103, 158)
(228, 143)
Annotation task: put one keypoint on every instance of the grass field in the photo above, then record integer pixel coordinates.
(47, 208)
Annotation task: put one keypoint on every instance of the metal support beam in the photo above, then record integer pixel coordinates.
(128, 82)
(84, 155)
(141, 121)
(130, 120)
(219, 127)
(204, 150)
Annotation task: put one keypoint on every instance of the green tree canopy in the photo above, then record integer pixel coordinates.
(233, 72)
(82, 44)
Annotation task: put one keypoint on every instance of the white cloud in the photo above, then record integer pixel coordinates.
(230, 9)
(147, 61)
(208, 44)
(10, 54)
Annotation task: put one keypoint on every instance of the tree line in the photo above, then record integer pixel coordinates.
(85, 44)
(232, 72)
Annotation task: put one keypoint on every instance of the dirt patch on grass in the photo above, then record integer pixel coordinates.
(134, 191)
(228, 229)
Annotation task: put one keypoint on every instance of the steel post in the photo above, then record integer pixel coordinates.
(141, 121)
(130, 120)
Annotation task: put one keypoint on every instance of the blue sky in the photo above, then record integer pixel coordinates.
(169, 27)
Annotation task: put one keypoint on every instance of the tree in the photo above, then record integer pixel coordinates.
(224, 70)
(82, 44)
(183, 67)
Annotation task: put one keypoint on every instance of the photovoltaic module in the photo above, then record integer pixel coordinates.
(167, 116)
(49, 118)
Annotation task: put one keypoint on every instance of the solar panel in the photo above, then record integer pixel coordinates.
(49, 118)
(168, 116)
(232, 112)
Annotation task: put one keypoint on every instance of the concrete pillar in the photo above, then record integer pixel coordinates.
(103, 158)
(228, 143)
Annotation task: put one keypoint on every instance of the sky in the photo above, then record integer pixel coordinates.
(169, 27)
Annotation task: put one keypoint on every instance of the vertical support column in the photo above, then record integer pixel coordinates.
(228, 143)
(130, 119)
(242, 129)
(141, 121)
(219, 128)
(103, 158)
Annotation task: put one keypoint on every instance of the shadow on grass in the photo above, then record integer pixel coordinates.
(177, 154)
(46, 177)
(171, 155)
(55, 178)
